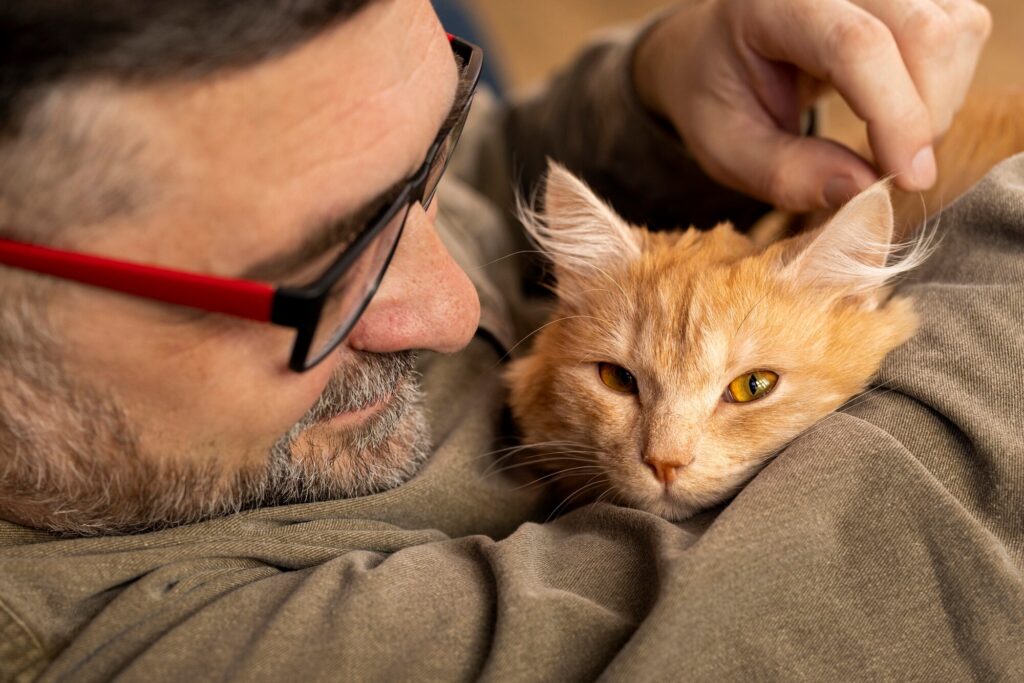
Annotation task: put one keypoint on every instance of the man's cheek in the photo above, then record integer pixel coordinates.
(255, 382)
(227, 407)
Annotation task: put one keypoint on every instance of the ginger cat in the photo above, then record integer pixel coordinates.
(677, 363)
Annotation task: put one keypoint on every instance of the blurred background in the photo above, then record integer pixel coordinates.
(530, 38)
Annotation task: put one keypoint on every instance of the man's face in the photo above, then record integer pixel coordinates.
(173, 415)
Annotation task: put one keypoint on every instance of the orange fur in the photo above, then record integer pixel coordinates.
(686, 312)
(989, 129)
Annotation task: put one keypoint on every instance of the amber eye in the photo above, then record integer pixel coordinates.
(617, 378)
(751, 386)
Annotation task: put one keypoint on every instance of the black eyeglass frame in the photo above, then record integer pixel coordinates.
(302, 307)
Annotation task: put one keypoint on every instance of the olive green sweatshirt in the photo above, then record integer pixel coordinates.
(887, 544)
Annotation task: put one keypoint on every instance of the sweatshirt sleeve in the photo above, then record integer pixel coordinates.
(590, 118)
(884, 544)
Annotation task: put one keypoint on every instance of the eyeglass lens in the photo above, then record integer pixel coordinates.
(444, 155)
(351, 294)
(348, 297)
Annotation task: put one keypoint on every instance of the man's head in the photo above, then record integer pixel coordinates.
(211, 137)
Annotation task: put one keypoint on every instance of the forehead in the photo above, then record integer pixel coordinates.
(681, 303)
(251, 158)
(721, 314)
(686, 277)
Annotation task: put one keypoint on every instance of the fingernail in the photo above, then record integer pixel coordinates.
(924, 169)
(840, 190)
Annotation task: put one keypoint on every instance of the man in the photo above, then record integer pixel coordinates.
(264, 143)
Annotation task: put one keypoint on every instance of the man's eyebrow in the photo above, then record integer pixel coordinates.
(327, 234)
(463, 91)
(324, 235)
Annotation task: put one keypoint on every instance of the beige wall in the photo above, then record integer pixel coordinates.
(535, 36)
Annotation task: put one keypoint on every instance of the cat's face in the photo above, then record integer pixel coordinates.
(677, 363)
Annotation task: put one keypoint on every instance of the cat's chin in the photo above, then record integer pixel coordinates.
(668, 505)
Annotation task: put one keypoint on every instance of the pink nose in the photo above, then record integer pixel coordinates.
(664, 472)
(667, 463)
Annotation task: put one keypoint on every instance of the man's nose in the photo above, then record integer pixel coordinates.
(425, 301)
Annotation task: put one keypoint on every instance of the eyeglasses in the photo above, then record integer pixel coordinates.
(324, 311)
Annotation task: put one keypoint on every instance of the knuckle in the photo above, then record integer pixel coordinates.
(777, 185)
(979, 19)
(941, 123)
(855, 37)
(931, 27)
(914, 119)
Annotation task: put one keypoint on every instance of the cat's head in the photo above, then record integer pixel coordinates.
(678, 362)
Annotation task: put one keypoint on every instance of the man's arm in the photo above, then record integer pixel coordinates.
(884, 543)
(731, 79)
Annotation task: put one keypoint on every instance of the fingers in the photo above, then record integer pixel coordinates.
(940, 41)
(837, 41)
(729, 74)
(972, 25)
(925, 35)
(743, 147)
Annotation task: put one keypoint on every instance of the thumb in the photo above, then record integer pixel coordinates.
(791, 172)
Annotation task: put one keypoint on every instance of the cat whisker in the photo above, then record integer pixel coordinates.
(590, 485)
(861, 398)
(543, 327)
(870, 393)
(527, 446)
(751, 310)
(807, 432)
(510, 449)
(612, 280)
(610, 496)
(554, 458)
(544, 456)
(507, 256)
(511, 468)
(561, 473)
(507, 455)
(849, 403)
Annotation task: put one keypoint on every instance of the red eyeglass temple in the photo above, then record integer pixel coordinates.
(242, 298)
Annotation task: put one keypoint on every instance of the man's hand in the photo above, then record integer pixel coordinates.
(734, 75)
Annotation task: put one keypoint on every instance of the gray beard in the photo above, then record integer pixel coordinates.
(386, 451)
(87, 476)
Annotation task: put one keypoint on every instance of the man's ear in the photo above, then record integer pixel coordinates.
(581, 234)
(854, 251)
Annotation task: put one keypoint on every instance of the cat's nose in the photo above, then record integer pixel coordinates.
(667, 471)
(664, 472)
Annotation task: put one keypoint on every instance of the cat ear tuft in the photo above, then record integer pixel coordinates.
(581, 234)
(855, 251)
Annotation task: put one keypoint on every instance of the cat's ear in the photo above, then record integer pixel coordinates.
(854, 251)
(581, 234)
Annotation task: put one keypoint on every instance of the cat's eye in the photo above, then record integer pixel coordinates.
(617, 378)
(751, 386)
